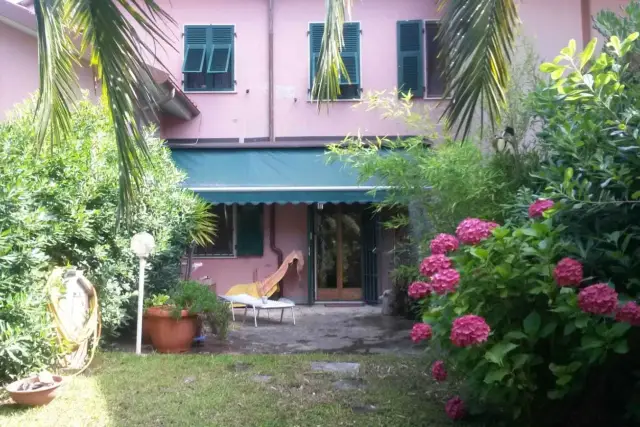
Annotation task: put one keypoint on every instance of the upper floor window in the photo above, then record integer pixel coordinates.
(413, 37)
(208, 58)
(350, 82)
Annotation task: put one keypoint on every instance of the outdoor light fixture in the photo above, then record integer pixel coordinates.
(142, 245)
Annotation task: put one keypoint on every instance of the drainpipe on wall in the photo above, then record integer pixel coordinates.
(272, 136)
(585, 10)
(272, 244)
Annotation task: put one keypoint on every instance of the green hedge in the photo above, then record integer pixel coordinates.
(59, 207)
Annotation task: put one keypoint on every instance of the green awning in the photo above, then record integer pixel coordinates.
(272, 175)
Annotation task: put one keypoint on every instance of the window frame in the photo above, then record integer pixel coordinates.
(234, 237)
(310, 98)
(234, 89)
(426, 96)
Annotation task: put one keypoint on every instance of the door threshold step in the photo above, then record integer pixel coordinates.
(344, 304)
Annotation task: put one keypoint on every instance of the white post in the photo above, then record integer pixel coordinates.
(143, 263)
(142, 245)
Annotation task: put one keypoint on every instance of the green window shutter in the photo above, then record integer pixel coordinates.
(351, 53)
(410, 57)
(250, 231)
(315, 43)
(195, 48)
(222, 38)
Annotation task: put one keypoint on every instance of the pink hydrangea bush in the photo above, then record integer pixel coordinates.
(445, 281)
(568, 272)
(455, 408)
(472, 231)
(598, 299)
(629, 313)
(538, 207)
(434, 263)
(421, 332)
(419, 290)
(469, 330)
(443, 244)
(438, 371)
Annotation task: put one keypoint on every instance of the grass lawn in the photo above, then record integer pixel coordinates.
(224, 390)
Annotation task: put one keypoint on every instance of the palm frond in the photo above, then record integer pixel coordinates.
(477, 39)
(326, 84)
(204, 228)
(106, 28)
(58, 81)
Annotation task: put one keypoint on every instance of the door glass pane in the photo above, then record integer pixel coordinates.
(327, 248)
(351, 249)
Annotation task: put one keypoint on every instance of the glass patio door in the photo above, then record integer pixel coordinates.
(339, 253)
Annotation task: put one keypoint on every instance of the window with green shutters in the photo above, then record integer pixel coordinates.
(240, 232)
(250, 234)
(208, 58)
(410, 57)
(419, 64)
(350, 82)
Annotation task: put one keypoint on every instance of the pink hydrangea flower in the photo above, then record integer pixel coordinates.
(598, 299)
(455, 408)
(434, 263)
(469, 330)
(438, 371)
(629, 313)
(472, 231)
(445, 281)
(444, 243)
(568, 272)
(418, 290)
(420, 332)
(537, 208)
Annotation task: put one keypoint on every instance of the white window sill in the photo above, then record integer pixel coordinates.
(315, 101)
(437, 98)
(221, 92)
(214, 257)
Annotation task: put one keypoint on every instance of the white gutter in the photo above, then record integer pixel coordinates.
(18, 17)
(271, 189)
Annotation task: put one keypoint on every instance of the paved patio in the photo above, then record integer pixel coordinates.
(359, 330)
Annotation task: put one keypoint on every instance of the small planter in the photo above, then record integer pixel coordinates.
(170, 335)
(34, 397)
(146, 328)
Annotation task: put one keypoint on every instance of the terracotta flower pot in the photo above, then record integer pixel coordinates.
(38, 397)
(170, 335)
(146, 328)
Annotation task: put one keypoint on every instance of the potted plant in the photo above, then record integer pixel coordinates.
(173, 321)
(156, 300)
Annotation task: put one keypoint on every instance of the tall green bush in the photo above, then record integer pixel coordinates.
(539, 318)
(60, 208)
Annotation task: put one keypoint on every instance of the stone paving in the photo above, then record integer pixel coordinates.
(355, 330)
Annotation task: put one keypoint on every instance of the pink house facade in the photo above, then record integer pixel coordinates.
(244, 129)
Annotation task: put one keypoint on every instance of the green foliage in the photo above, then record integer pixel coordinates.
(545, 355)
(541, 346)
(197, 299)
(592, 137)
(60, 209)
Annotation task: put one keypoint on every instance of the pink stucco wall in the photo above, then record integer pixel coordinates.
(291, 234)
(19, 70)
(244, 114)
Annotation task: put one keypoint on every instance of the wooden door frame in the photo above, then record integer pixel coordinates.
(339, 293)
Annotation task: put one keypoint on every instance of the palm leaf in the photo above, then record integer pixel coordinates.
(326, 84)
(477, 39)
(58, 81)
(106, 28)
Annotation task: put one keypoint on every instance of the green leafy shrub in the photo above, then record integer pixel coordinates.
(59, 207)
(563, 342)
(198, 299)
